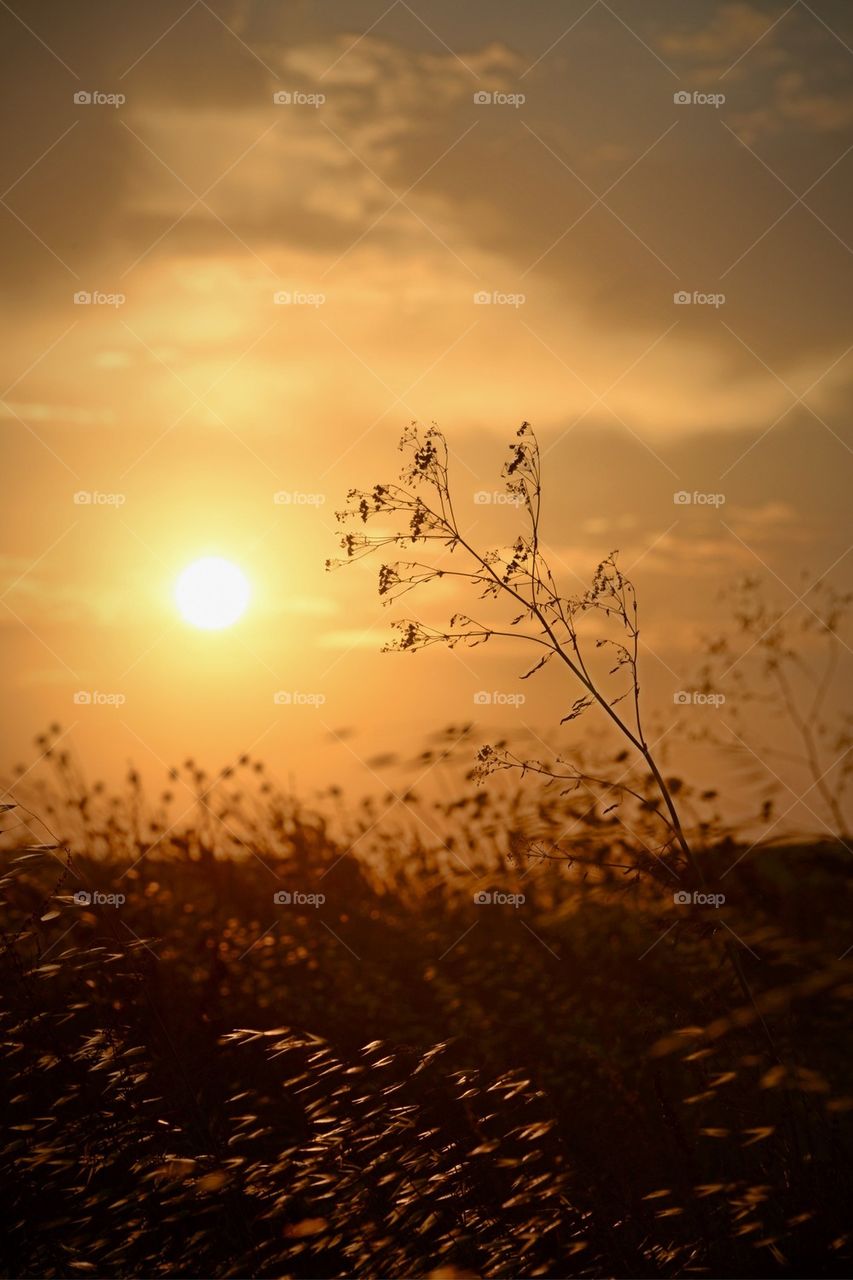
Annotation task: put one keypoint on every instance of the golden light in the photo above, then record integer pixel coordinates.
(212, 593)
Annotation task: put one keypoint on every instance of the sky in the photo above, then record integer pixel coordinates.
(246, 243)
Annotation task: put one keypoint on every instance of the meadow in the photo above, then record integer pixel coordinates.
(433, 1054)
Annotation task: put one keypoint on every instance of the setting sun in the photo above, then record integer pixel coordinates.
(212, 593)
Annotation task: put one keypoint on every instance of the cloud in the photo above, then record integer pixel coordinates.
(791, 65)
(492, 197)
(731, 31)
(799, 100)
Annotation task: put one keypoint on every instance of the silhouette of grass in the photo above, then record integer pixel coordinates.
(399, 1080)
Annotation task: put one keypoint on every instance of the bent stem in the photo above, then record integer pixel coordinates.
(519, 574)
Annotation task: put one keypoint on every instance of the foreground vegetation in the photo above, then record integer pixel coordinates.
(403, 1081)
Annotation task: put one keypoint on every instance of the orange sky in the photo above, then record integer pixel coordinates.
(381, 200)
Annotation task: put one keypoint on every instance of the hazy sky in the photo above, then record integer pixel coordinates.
(382, 198)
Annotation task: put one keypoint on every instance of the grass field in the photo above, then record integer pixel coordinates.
(400, 1080)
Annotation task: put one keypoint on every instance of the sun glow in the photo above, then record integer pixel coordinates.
(212, 593)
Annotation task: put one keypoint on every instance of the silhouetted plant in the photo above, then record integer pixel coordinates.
(544, 618)
(788, 665)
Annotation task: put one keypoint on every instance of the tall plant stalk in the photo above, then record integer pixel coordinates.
(420, 509)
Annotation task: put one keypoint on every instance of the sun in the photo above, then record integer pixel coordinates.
(212, 593)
